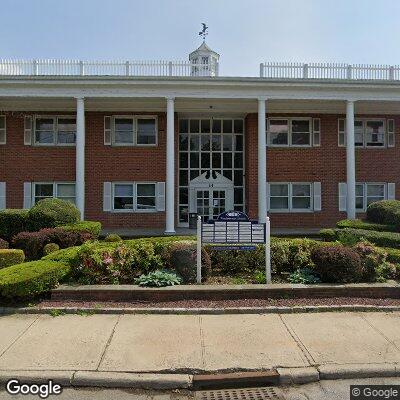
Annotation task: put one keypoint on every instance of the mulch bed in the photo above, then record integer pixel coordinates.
(338, 301)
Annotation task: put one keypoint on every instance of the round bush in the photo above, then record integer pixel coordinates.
(10, 257)
(49, 213)
(337, 264)
(384, 212)
(50, 248)
(3, 244)
(182, 258)
(112, 237)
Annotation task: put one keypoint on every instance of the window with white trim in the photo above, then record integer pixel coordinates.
(367, 193)
(368, 132)
(47, 190)
(295, 132)
(134, 196)
(290, 197)
(134, 130)
(2, 129)
(55, 131)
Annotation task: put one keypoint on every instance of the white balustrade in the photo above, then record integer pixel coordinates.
(329, 71)
(105, 68)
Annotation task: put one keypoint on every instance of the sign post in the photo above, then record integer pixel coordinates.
(267, 250)
(233, 230)
(198, 275)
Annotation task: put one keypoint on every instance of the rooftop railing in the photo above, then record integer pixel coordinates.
(329, 71)
(105, 68)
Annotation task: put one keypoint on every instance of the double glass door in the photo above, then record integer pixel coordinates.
(210, 203)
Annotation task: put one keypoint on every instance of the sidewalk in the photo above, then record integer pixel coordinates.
(195, 343)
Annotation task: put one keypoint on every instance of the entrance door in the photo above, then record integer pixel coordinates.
(210, 203)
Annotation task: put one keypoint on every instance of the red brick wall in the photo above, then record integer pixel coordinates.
(325, 164)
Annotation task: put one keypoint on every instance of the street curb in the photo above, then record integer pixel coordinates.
(132, 380)
(298, 376)
(199, 311)
(352, 371)
(156, 381)
(63, 378)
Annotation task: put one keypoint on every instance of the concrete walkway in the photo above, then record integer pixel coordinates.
(180, 343)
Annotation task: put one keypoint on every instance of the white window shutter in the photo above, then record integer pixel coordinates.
(3, 134)
(2, 195)
(391, 191)
(341, 132)
(160, 196)
(27, 195)
(107, 130)
(107, 196)
(342, 196)
(317, 196)
(268, 199)
(390, 132)
(28, 130)
(316, 132)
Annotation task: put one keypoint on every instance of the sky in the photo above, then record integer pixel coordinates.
(243, 32)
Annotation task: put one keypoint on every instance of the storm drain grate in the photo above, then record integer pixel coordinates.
(261, 393)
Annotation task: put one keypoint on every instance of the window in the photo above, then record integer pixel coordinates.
(290, 196)
(290, 132)
(2, 129)
(146, 131)
(134, 131)
(367, 133)
(55, 130)
(123, 130)
(367, 193)
(47, 190)
(134, 196)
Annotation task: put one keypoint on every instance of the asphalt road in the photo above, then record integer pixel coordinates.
(325, 390)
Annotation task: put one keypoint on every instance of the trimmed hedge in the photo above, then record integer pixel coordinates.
(33, 242)
(93, 227)
(49, 213)
(361, 224)
(12, 221)
(10, 257)
(351, 236)
(384, 212)
(29, 279)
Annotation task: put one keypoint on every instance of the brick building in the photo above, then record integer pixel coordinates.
(142, 145)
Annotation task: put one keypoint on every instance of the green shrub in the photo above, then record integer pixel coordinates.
(329, 235)
(93, 227)
(12, 221)
(66, 256)
(182, 258)
(4, 244)
(337, 264)
(32, 278)
(50, 248)
(304, 275)
(158, 278)
(360, 224)
(392, 255)
(384, 212)
(372, 259)
(383, 239)
(10, 257)
(112, 237)
(49, 213)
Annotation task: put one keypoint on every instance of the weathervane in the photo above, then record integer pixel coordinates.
(204, 32)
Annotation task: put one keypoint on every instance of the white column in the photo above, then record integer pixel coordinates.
(80, 156)
(350, 161)
(170, 169)
(262, 162)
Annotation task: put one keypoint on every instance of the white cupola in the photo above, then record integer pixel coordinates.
(204, 61)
